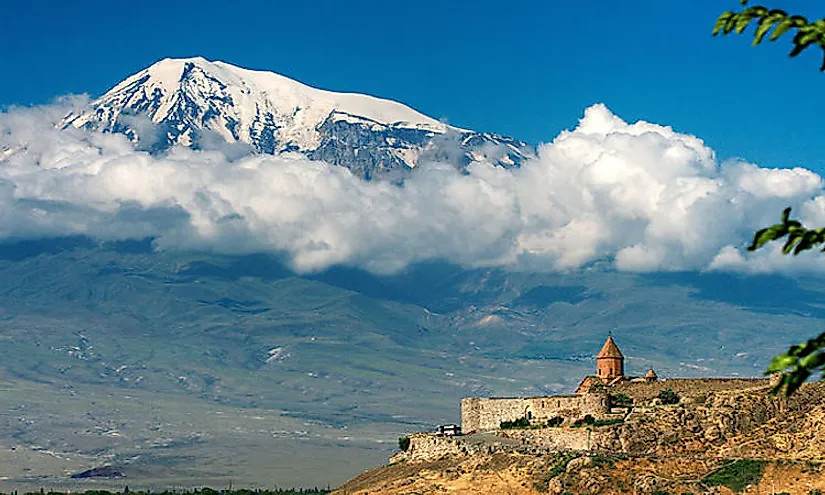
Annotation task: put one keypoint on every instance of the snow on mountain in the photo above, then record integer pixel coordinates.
(188, 101)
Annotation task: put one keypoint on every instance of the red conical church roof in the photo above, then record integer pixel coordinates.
(610, 350)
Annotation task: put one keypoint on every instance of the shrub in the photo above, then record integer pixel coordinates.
(519, 423)
(736, 475)
(668, 396)
(556, 421)
(404, 443)
(815, 492)
(621, 400)
(586, 420)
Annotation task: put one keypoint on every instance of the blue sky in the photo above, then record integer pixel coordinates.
(522, 68)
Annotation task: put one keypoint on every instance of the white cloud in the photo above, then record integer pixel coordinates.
(641, 195)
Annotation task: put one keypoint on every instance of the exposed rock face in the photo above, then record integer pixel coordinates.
(715, 427)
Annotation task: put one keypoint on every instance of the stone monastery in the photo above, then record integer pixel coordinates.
(596, 396)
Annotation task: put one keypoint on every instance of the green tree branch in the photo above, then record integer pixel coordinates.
(807, 33)
(801, 360)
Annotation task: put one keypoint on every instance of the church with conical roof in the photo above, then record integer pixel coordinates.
(610, 361)
(610, 369)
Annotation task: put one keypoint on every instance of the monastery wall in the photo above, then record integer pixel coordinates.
(428, 447)
(480, 414)
(556, 439)
(687, 387)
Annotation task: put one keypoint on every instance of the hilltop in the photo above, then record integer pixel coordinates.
(516, 474)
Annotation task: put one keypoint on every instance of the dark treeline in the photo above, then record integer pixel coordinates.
(201, 491)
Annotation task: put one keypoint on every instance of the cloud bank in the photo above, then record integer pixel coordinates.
(640, 196)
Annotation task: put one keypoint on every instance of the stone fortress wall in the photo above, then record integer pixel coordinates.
(428, 447)
(485, 414)
(688, 387)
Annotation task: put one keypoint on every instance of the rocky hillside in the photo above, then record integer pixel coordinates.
(715, 443)
(519, 474)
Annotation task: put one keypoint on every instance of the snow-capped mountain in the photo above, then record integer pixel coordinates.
(191, 101)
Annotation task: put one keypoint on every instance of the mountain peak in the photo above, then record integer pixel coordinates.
(188, 98)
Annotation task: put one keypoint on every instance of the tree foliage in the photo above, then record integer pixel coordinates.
(801, 360)
(519, 423)
(777, 22)
(621, 400)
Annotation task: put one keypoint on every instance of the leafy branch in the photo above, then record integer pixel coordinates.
(807, 33)
(799, 238)
(797, 364)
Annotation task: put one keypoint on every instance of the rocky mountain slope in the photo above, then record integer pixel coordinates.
(198, 103)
